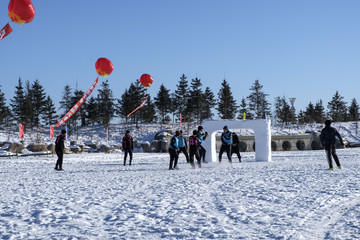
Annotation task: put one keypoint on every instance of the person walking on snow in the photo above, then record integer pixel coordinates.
(194, 149)
(128, 146)
(328, 140)
(173, 151)
(183, 145)
(201, 136)
(226, 140)
(235, 146)
(59, 149)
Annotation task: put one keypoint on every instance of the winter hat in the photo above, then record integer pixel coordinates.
(225, 128)
(127, 131)
(200, 128)
(177, 133)
(194, 132)
(63, 131)
(327, 122)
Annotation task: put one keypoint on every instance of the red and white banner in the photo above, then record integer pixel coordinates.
(180, 119)
(51, 132)
(78, 104)
(107, 133)
(5, 31)
(21, 131)
(141, 105)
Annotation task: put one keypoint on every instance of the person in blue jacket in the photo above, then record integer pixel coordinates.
(173, 151)
(201, 138)
(183, 145)
(328, 140)
(226, 140)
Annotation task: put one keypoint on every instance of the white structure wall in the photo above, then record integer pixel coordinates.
(261, 128)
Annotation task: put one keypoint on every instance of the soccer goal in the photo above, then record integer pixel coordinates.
(262, 134)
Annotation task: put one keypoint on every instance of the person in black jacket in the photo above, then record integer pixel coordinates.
(59, 149)
(128, 146)
(235, 146)
(194, 149)
(173, 151)
(328, 140)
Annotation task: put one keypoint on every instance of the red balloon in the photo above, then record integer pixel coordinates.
(21, 11)
(146, 80)
(104, 67)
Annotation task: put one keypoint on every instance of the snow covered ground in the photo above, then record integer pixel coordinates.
(96, 197)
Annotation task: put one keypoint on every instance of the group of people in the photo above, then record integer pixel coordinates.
(229, 144)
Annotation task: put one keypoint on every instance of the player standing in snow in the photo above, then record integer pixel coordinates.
(59, 149)
(201, 136)
(183, 145)
(235, 145)
(173, 151)
(128, 146)
(226, 140)
(328, 140)
(194, 149)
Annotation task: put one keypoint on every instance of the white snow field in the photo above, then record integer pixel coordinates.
(96, 197)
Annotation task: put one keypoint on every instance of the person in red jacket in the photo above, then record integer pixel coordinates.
(59, 149)
(128, 146)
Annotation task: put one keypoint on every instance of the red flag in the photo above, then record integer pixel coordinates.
(107, 133)
(51, 132)
(141, 105)
(21, 131)
(78, 104)
(180, 119)
(5, 31)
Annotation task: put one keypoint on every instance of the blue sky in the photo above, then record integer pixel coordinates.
(305, 49)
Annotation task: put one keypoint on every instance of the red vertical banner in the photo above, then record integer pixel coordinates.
(21, 131)
(107, 133)
(5, 31)
(51, 132)
(180, 119)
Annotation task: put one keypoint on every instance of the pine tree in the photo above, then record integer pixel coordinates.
(18, 103)
(195, 101)
(148, 111)
(49, 114)
(309, 114)
(301, 117)
(4, 110)
(38, 102)
(124, 105)
(181, 96)
(258, 105)
(163, 102)
(136, 96)
(66, 103)
(354, 110)
(80, 115)
(105, 102)
(337, 108)
(28, 106)
(283, 110)
(226, 102)
(244, 110)
(91, 111)
(208, 104)
(319, 112)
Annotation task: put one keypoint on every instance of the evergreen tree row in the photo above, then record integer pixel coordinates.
(32, 107)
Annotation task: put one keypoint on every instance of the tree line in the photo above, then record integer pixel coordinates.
(32, 107)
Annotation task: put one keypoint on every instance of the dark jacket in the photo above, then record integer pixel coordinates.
(59, 144)
(328, 135)
(128, 142)
(235, 141)
(193, 142)
(174, 143)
